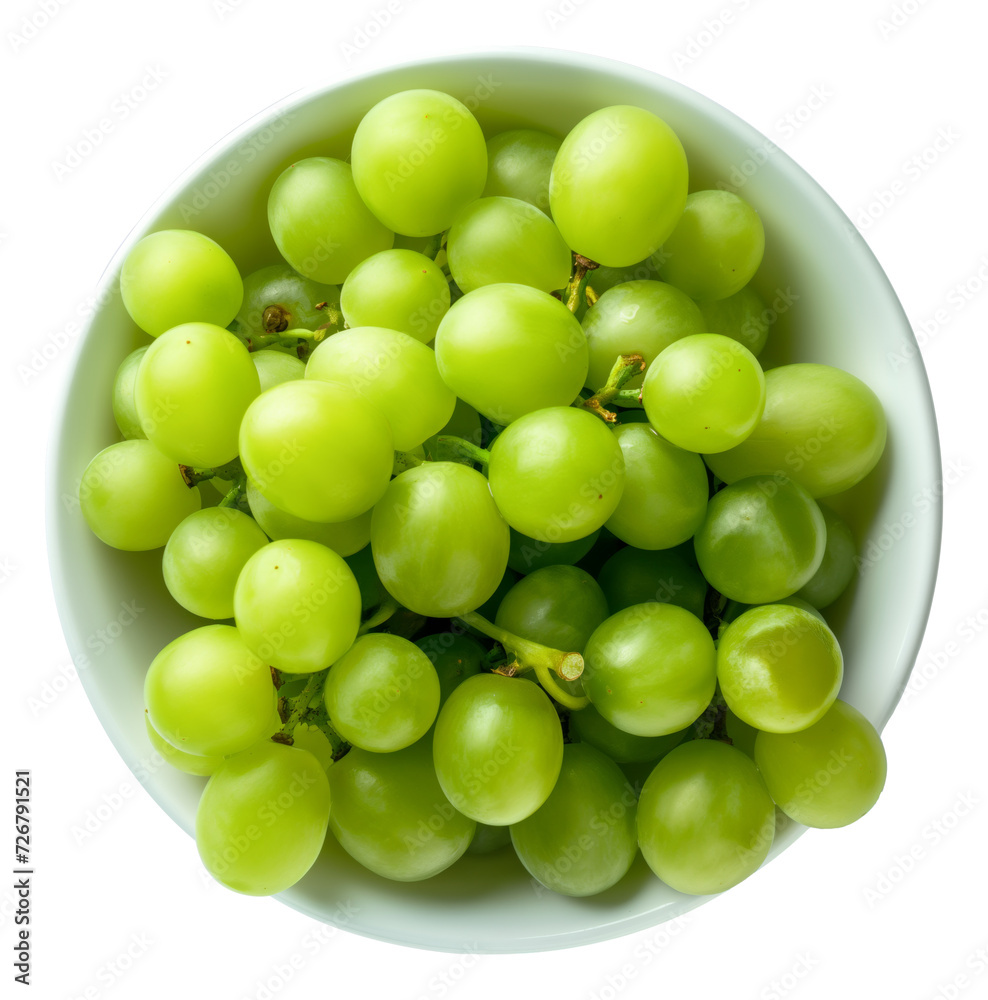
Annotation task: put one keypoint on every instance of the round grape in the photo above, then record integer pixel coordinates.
(519, 163)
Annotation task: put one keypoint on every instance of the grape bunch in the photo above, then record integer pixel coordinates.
(491, 515)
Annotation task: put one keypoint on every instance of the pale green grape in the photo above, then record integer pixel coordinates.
(319, 223)
(207, 693)
(498, 748)
(716, 246)
(393, 371)
(275, 367)
(650, 669)
(822, 427)
(582, 839)
(297, 605)
(618, 185)
(761, 540)
(398, 290)
(557, 474)
(262, 819)
(636, 317)
(372, 592)
(511, 349)
(704, 393)
(179, 276)
(455, 657)
(383, 693)
(204, 557)
(519, 163)
(133, 497)
(779, 668)
(124, 404)
(838, 566)
(743, 317)
(439, 543)
(506, 240)
(828, 775)
(278, 298)
(317, 449)
(418, 157)
(193, 387)
(464, 423)
(489, 839)
(670, 576)
(734, 609)
(529, 554)
(705, 819)
(391, 815)
(344, 537)
(589, 726)
(190, 763)
(665, 490)
(313, 739)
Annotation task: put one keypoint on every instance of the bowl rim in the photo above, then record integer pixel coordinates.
(927, 546)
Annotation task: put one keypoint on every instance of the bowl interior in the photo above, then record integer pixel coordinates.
(834, 305)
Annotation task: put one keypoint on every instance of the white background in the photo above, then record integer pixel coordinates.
(820, 922)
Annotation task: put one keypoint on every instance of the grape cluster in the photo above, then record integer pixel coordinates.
(492, 516)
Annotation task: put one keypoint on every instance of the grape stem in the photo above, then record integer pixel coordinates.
(388, 607)
(449, 445)
(232, 470)
(289, 338)
(575, 292)
(626, 367)
(528, 655)
(405, 460)
(299, 706)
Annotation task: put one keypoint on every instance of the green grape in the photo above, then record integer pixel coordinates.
(297, 605)
(372, 591)
(822, 427)
(838, 566)
(665, 490)
(319, 222)
(557, 474)
(133, 498)
(193, 387)
(529, 554)
(519, 163)
(317, 449)
(207, 693)
(734, 609)
(828, 775)
(489, 839)
(716, 246)
(705, 819)
(618, 185)
(344, 537)
(124, 404)
(602, 278)
(313, 739)
(762, 539)
(650, 669)
(704, 393)
(399, 290)
(601, 550)
(440, 546)
(179, 276)
(556, 606)
(636, 317)
(582, 839)
(489, 608)
(392, 370)
(275, 367)
(455, 657)
(190, 763)
(418, 157)
(391, 815)
(383, 693)
(506, 240)
(779, 668)
(589, 726)
(464, 423)
(510, 349)
(262, 819)
(743, 317)
(204, 557)
(278, 298)
(430, 245)
(740, 733)
(670, 576)
(498, 748)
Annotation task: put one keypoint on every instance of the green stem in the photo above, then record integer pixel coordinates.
(626, 367)
(237, 496)
(388, 607)
(232, 470)
(299, 705)
(529, 655)
(575, 292)
(450, 445)
(405, 460)
(289, 338)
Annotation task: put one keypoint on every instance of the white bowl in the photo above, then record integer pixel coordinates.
(844, 312)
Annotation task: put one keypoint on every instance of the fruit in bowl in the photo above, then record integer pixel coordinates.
(507, 444)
